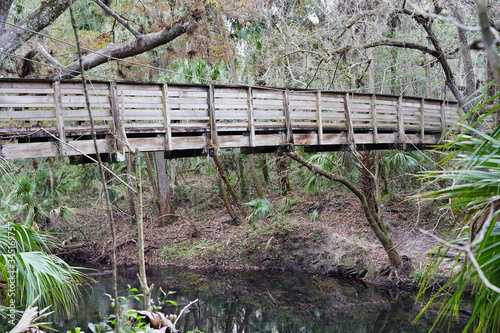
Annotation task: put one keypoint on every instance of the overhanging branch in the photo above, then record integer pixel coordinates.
(117, 17)
(127, 49)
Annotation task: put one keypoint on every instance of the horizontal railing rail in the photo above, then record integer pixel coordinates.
(172, 116)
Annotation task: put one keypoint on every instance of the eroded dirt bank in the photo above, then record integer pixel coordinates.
(336, 240)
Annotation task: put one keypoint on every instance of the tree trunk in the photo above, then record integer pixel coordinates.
(265, 169)
(381, 232)
(256, 181)
(131, 194)
(470, 77)
(109, 208)
(14, 37)
(146, 290)
(225, 199)
(163, 194)
(229, 187)
(241, 176)
(284, 179)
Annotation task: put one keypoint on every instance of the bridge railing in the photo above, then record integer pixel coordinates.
(192, 116)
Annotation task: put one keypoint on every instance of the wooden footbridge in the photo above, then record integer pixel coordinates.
(43, 118)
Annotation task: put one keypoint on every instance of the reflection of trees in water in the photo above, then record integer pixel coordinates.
(276, 302)
(298, 303)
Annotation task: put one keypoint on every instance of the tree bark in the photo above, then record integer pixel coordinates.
(109, 208)
(163, 189)
(229, 187)
(146, 290)
(470, 77)
(281, 162)
(127, 49)
(4, 13)
(225, 199)
(253, 172)
(380, 231)
(12, 38)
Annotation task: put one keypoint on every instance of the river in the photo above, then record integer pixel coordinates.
(265, 302)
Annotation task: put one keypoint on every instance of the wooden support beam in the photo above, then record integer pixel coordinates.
(214, 138)
(119, 130)
(59, 117)
(347, 111)
(251, 117)
(401, 127)
(319, 117)
(163, 186)
(288, 118)
(422, 119)
(373, 109)
(166, 117)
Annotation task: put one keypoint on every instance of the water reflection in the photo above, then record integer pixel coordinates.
(269, 302)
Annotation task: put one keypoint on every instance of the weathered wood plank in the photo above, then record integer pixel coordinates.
(166, 117)
(117, 117)
(59, 117)
(373, 102)
(251, 117)
(213, 123)
(319, 117)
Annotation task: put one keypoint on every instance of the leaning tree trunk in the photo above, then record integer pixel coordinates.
(222, 173)
(373, 219)
(256, 181)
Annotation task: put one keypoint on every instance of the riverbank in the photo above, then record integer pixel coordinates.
(317, 234)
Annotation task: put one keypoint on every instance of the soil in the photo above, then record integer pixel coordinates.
(323, 234)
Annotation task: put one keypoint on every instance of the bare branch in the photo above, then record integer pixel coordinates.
(442, 18)
(403, 44)
(127, 49)
(40, 49)
(117, 17)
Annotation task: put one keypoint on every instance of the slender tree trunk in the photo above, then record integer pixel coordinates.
(229, 187)
(146, 290)
(241, 175)
(225, 199)
(131, 194)
(265, 169)
(376, 225)
(151, 174)
(230, 316)
(163, 193)
(109, 208)
(256, 181)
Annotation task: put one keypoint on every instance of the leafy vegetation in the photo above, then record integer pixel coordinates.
(473, 194)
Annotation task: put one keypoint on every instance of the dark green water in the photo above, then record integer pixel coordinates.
(268, 302)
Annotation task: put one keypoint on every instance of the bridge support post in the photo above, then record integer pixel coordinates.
(119, 131)
(350, 128)
(166, 117)
(319, 117)
(422, 120)
(288, 118)
(214, 138)
(59, 118)
(251, 117)
(163, 187)
(373, 109)
(401, 142)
